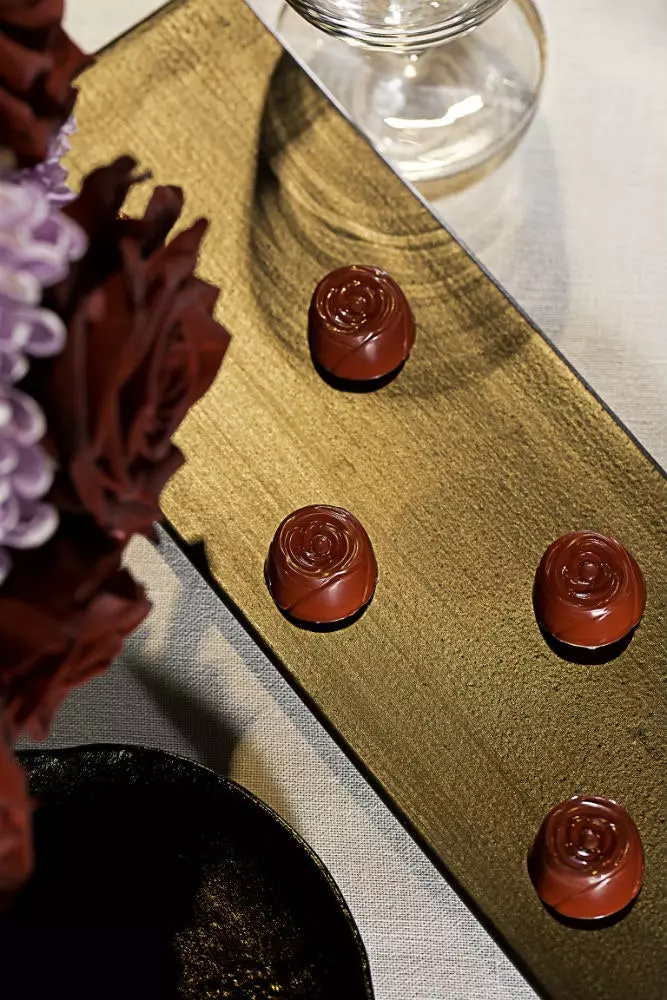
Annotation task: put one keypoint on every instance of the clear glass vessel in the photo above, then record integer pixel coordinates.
(439, 86)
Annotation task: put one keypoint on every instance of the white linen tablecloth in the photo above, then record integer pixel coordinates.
(574, 225)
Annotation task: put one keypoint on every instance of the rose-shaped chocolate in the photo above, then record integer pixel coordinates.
(142, 347)
(321, 568)
(38, 62)
(587, 861)
(360, 325)
(64, 614)
(16, 853)
(589, 591)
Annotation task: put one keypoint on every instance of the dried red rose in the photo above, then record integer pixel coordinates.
(142, 348)
(64, 614)
(86, 644)
(97, 211)
(65, 572)
(38, 62)
(16, 852)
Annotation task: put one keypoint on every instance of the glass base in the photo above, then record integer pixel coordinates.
(440, 112)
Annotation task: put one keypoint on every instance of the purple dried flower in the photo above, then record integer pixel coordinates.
(37, 244)
(26, 474)
(51, 175)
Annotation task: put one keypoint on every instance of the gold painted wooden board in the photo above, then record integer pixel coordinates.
(483, 450)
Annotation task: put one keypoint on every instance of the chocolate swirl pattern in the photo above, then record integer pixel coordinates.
(588, 591)
(587, 861)
(321, 567)
(360, 325)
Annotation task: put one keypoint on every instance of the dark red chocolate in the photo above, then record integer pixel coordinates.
(321, 568)
(360, 325)
(589, 591)
(587, 862)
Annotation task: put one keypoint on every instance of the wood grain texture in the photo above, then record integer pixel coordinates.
(463, 470)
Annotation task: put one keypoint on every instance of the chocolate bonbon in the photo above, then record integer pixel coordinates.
(589, 592)
(321, 568)
(587, 862)
(360, 324)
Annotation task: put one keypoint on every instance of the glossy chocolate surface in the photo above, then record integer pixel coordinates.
(587, 862)
(321, 567)
(588, 590)
(360, 325)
